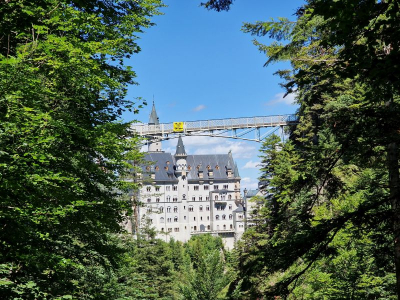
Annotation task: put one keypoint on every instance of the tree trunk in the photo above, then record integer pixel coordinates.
(394, 186)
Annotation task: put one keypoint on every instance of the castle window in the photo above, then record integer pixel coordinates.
(175, 199)
(223, 217)
(167, 188)
(162, 219)
(217, 217)
(176, 229)
(169, 229)
(224, 227)
(169, 220)
(208, 227)
(183, 196)
(201, 208)
(215, 187)
(190, 208)
(225, 186)
(207, 198)
(169, 209)
(195, 228)
(174, 188)
(148, 188)
(157, 188)
(162, 229)
(200, 198)
(161, 209)
(176, 209)
(196, 187)
(230, 206)
(168, 198)
(230, 217)
(208, 218)
(206, 187)
(176, 219)
(216, 197)
(193, 198)
(229, 197)
(207, 208)
(157, 199)
(231, 226)
(148, 200)
(194, 218)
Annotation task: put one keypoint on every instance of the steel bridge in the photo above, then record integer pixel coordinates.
(234, 128)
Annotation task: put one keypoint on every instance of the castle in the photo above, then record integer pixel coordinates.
(184, 195)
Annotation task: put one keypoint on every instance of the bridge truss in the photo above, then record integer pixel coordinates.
(234, 128)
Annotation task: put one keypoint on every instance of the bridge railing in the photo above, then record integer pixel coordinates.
(217, 124)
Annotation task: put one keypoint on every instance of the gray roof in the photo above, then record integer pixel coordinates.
(164, 171)
(153, 120)
(239, 209)
(180, 148)
(251, 193)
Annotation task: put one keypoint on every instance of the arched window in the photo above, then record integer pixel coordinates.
(168, 198)
(230, 217)
(148, 200)
(207, 208)
(195, 228)
(176, 209)
(148, 188)
(231, 226)
(216, 197)
(169, 209)
(208, 227)
(161, 209)
(190, 208)
(176, 219)
(162, 219)
(157, 199)
(183, 196)
(230, 207)
(224, 227)
(175, 199)
(223, 217)
(201, 208)
(217, 217)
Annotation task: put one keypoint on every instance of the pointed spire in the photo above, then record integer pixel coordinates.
(236, 171)
(153, 120)
(180, 148)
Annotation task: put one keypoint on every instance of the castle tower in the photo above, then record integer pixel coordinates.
(181, 172)
(154, 143)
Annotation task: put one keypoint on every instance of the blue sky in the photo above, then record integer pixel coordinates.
(199, 65)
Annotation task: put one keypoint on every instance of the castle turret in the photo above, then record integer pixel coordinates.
(181, 173)
(154, 143)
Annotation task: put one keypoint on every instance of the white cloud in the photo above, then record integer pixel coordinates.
(249, 183)
(278, 98)
(199, 108)
(213, 145)
(251, 165)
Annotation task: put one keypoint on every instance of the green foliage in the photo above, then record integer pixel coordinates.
(331, 211)
(206, 273)
(62, 87)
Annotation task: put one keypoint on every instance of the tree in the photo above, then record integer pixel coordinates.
(62, 88)
(345, 74)
(205, 272)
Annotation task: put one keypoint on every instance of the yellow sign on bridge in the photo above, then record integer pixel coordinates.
(178, 126)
